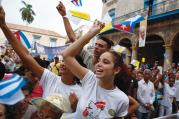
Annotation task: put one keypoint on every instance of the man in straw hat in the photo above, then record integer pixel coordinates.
(51, 107)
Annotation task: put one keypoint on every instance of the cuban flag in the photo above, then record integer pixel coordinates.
(23, 39)
(10, 90)
(132, 22)
(77, 3)
(124, 28)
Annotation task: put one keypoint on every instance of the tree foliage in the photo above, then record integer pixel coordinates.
(27, 13)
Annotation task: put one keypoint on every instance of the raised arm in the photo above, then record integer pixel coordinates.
(70, 33)
(69, 53)
(23, 53)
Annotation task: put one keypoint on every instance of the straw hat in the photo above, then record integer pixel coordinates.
(57, 100)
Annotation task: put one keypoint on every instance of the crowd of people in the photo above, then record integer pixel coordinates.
(86, 85)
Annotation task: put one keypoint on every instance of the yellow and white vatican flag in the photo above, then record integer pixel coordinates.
(73, 19)
(136, 63)
(118, 48)
(142, 32)
(76, 17)
(81, 15)
(108, 22)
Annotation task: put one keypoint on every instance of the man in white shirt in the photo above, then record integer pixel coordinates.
(168, 98)
(145, 95)
(177, 88)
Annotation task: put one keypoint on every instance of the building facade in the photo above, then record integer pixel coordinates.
(162, 38)
(41, 36)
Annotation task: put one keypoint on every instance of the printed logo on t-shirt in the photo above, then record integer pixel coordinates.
(94, 109)
(111, 112)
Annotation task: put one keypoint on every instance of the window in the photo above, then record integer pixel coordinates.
(146, 3)
(104, 1)
(151, 4)
(53, 42)
(36, 38)
(112, 13)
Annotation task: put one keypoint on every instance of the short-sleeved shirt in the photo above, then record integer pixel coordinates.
(87, 59)
(52, 83)
(99, 103)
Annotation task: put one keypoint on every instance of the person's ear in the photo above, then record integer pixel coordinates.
(117, 70)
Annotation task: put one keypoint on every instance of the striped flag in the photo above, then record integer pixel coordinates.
(21, 37)
(11, 89)
(77, 3)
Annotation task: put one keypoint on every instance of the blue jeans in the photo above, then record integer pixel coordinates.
(141, 115)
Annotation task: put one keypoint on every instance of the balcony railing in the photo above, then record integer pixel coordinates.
(165, 6)
(159, 8)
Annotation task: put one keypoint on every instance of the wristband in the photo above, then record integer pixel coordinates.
(65, 16)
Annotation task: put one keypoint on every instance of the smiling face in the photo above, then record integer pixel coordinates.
(105, 68)
(64, 70)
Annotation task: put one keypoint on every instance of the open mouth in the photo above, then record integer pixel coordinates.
(98, 71)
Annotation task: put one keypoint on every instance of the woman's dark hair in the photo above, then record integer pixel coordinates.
(123, 78)
(21, 70)
(132, 66)
(29, 86)
(2, 70)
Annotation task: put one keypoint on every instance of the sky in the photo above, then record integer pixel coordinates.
(47, 17)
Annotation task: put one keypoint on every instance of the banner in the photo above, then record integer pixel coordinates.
(142, 32)
(41, 49)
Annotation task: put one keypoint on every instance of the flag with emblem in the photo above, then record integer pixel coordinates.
(125, 28)
(132, 21)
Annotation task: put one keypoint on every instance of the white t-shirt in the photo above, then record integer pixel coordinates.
(52, 83)
(99, 103)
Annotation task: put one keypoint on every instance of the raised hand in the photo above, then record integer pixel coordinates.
(97, 27)
(61, 9)
(2, 17)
